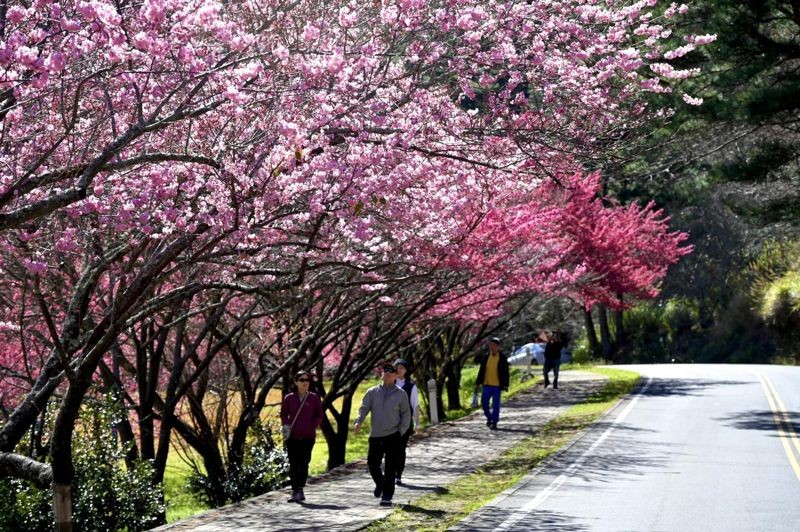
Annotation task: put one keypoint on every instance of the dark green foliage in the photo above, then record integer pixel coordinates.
(106, 495)
(728, 173)
(647, 338)
(755, 320)
(264, 468)
(671, 332)
(759, 163)
(24, 507)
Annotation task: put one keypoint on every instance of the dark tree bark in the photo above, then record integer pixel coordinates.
(591, 334)
(605, 333)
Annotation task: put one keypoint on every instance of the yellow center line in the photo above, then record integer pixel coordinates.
(781, 420)
(787, 421)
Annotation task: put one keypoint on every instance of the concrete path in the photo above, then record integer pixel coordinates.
(342, 499)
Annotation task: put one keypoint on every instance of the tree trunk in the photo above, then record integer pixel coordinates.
(591, 334)
(453, 385)
(337, 446)
(217, 475)
(336, 438)
(62, 507)
(605, 333)
(439, 400)
(620, 340)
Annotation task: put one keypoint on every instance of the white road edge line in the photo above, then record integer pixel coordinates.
(522, 512)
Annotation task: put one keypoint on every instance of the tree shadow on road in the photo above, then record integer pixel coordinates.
(491, 518)
(763, 420)
(621, 454)
(683, 387)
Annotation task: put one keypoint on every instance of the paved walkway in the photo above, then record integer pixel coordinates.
(342, 499)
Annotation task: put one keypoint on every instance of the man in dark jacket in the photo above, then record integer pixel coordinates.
(552, 357)
(405, 383)
(493, 377)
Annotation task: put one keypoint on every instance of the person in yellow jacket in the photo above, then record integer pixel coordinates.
(493, 377)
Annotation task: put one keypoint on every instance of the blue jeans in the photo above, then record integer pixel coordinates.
(493, 393)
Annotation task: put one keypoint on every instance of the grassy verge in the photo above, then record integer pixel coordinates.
(442, 510)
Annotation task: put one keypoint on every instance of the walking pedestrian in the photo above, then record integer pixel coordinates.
(552, 358)
(391, 418)
(493, 376)
(405, 383)
(301, 412)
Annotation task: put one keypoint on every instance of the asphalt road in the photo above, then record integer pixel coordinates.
(697, 448)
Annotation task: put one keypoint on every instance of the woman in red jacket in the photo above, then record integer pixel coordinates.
(302, 411)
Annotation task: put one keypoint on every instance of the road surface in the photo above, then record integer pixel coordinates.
(696, 448)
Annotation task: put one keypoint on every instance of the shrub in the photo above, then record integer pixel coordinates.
(106, 495)
(780, 305)
(25, 507)
(646, 334)
(581, 353)
(264, 468)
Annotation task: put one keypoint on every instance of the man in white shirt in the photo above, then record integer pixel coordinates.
(407, 385)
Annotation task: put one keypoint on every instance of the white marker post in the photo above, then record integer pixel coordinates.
(432, 401)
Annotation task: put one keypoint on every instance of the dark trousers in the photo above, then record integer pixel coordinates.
(548, 365)
(493, 393)
(299, 452)
(387, 447)
(401, 452)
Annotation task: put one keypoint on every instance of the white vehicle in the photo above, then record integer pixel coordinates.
(527, 354)
(533, 353)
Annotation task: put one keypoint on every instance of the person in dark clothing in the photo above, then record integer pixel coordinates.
(391, 418)
(405, 383)
(493, 377)
(552, 358)
(302, 411)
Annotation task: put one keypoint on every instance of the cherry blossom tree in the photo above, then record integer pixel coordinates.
(258, 141)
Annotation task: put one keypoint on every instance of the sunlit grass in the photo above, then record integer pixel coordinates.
(180, 501)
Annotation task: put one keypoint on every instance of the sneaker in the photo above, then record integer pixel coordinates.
(493, 426)
(488, 422)
(555, 386)
(386, 502)
(301, 496)
(294, 497)
(377, 492)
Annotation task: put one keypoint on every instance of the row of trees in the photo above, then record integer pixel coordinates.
(727, 171)
(198, 198)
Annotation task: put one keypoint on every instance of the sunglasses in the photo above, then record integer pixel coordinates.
(301, 380)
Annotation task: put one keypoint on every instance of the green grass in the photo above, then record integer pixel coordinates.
(181, 502)
(455, 501)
